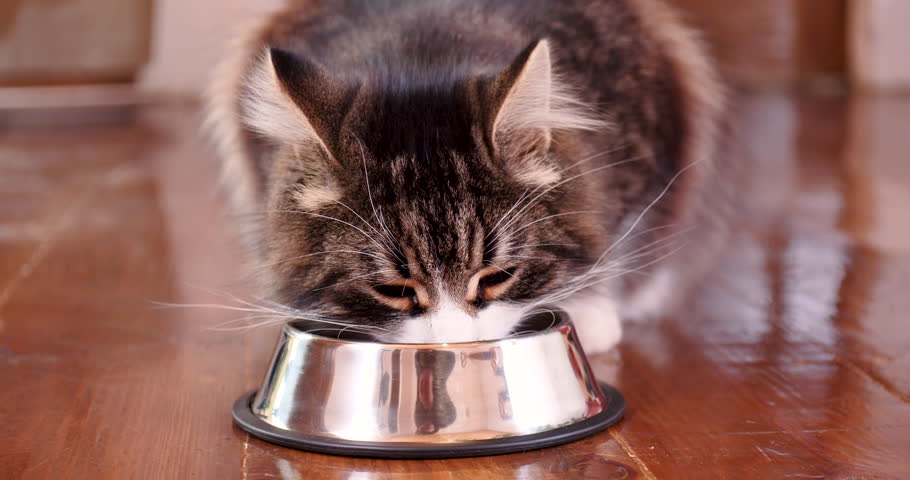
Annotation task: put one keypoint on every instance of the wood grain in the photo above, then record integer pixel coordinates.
(790, 361)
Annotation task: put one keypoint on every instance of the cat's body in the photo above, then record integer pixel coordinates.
(431, 171)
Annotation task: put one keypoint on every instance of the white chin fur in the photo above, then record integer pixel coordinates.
(596, 317)
(451, 324)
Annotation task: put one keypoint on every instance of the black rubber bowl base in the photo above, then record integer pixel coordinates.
(244, 417)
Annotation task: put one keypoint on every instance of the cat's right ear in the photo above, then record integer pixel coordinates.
(530, 101)
(292, 99)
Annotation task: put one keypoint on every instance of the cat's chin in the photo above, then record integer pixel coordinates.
(451, 324)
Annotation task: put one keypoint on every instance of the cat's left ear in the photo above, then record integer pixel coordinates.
(529, 102)
(294, 100)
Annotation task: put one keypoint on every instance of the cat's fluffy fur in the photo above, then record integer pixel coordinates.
(490, 158)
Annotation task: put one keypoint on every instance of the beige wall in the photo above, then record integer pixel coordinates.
(758, 43)
(46, 42)
(189, 36)
(879, 44)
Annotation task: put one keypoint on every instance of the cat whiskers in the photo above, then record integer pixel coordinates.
(547, 217)
(535, 311)
(503, 270)
(526, 257)
(562, 182)
(503, 229)
(338, 332)
(358, 277)
(366, 235)
(529, 192)
(262, 308)
(384, 229)
(522, 246)
(275, 313)
(614, 269)
(598, 268)
(386, 243)
(314, 254)
(644, 212)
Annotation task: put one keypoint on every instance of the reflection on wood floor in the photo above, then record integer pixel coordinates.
(792, 359)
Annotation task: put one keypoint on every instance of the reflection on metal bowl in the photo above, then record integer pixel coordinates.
(364, 398)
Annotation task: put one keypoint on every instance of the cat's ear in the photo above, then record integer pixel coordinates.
(529, 103)
(294, 100)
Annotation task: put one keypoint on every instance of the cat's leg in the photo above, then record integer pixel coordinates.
(596, 318)
(654, 298)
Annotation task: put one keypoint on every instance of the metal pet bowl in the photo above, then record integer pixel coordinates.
(361, 398)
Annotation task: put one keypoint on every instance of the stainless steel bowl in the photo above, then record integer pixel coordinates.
(430, 400)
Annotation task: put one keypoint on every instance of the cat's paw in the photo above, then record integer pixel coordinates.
(596, 320)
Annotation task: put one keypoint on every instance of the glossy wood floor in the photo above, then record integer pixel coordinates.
(793, 361)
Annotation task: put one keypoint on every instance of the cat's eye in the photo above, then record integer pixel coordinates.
(492, 284)
(396, 291)
(397, 295)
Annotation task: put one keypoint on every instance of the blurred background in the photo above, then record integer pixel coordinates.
(55, 53)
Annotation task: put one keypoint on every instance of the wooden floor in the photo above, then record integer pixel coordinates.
(793, 361)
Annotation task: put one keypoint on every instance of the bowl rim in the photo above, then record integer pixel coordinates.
(562, 322)
(613, 410)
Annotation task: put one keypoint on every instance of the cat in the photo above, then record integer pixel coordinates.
(429, 171)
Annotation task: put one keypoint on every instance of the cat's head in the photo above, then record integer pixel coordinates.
(423, 207)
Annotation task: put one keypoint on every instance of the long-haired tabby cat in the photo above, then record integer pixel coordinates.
(435, 170)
